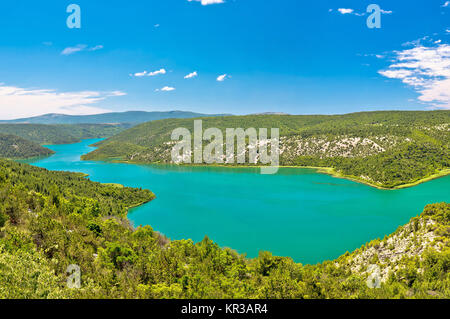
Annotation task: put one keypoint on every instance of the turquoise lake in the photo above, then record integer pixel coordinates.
(299, 213)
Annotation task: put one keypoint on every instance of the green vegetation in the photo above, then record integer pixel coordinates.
(384, 149)
(61, 134)
(12, 146)
(49, 220)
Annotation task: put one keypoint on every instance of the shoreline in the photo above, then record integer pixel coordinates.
(440, 174)
(321, 170)
(128, 208)
(32, 158)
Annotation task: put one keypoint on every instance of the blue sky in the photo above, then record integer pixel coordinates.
(299, 57)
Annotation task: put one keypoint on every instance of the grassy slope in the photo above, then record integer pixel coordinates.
(12, 146)
(49, 220)
(415, 144)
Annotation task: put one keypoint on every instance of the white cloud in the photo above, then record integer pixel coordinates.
(427, 70)
(97, 47)
(72, 50)
(161, 71)
(166, 89)
(191, 75)
(353, 12)
(80, 48)
(378, 56)
(117, 93)
(446, 4)
(207, 2)
(145, 73)
(222, 77)
(345, 11)
(349, 11)
(139, 74)
(16, 102)
(396, 74)
(417, 42)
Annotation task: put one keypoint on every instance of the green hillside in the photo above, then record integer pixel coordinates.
(61, 134)
(385, 149)
(12, 146)
(50, 220)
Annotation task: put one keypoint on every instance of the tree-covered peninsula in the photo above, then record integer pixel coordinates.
(15, 147)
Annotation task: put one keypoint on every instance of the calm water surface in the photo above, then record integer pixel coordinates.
(298, 213)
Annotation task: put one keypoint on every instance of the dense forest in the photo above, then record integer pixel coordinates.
(50, 220)
(61, 134)
(385, 149)
(12, 146)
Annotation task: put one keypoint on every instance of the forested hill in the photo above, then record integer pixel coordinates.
(50, 220)
(132, 117)
(12, 146)
(62, 134)
(384, 149)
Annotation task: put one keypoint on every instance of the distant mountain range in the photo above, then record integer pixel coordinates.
(132, 117)
(271, 113)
